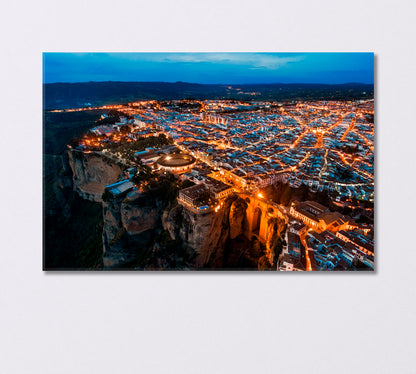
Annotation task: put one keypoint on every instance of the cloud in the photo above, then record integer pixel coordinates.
(254, 60)
(271, 61)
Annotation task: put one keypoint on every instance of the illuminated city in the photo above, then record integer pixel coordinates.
(229, 183)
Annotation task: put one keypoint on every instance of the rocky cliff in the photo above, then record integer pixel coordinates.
(221, 240)
(274, 240)
(216, 238)
(139, 214)
(141, 231)
(72, 225)
(192, 228)
(57, 185)
(92, 173)
(130, 225)
(226, 226)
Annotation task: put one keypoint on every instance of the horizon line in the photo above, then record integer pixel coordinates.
(211, 84)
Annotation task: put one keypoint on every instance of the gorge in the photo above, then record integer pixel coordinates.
(142, 232)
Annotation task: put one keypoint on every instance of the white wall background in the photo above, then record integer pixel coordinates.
(205, 323)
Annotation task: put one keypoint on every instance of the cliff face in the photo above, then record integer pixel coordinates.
(128, 223)
(72, 225)
(129, 227)
(220, 239)
(91, 174)
(193, 229)
(207, 234)
(57, 185)
(114, 253)
(139, 214)
(112, 224)
(237, 218)
(139, 232)
(228, 225)
(274, 238)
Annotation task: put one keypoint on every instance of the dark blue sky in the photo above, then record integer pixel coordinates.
(223, 68)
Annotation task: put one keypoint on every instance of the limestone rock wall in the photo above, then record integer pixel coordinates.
(217, 239)
(136, 220)
(207, 233)
(276, 230)
(127, 223)
(92, 173)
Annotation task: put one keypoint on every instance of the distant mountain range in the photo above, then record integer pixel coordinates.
(71, 95)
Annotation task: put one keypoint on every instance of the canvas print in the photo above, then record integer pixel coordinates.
(208, 161)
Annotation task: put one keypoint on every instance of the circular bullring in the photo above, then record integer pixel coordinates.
(176, 162)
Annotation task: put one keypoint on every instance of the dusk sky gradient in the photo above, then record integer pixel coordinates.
(214, 68)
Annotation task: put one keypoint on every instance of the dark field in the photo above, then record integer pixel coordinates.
(60, 128)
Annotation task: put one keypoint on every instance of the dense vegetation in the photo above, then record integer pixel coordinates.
(60, 128)
(127, 150)
(164, 188)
